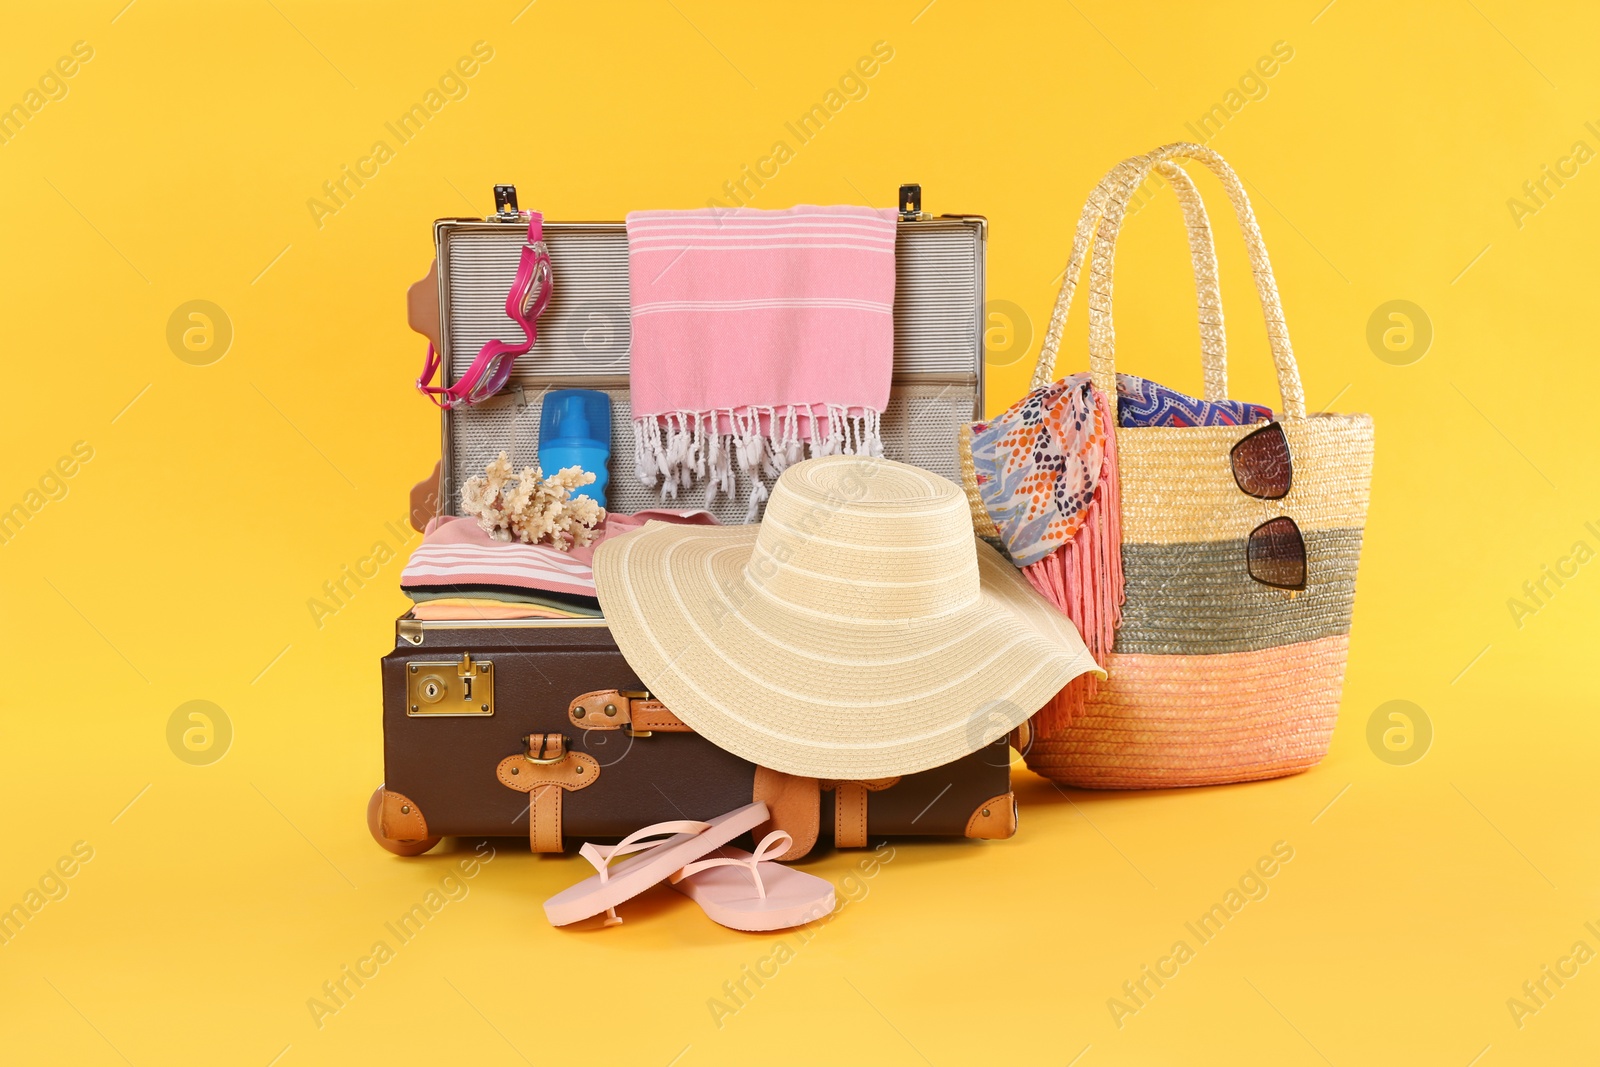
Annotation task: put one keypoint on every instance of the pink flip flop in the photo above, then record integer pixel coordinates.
(650, 861)
(745, 891)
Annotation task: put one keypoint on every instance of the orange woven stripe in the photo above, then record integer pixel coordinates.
(1161, 721)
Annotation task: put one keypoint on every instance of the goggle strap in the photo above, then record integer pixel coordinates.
(462, 390)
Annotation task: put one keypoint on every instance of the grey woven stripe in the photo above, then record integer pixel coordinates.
(1198, 598)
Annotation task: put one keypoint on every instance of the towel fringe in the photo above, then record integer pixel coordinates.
(677, 450)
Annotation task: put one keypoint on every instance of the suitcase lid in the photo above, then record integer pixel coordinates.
(584, 338)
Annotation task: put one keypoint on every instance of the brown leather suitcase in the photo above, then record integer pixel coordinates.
(482, 734)
(538, 727)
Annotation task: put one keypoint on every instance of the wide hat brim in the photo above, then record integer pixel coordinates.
(815, 695)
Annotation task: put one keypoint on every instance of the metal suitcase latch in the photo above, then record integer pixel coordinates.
(450, 687)
(911, 204)
(505, 202)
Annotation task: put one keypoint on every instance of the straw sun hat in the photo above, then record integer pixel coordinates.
(860, 631)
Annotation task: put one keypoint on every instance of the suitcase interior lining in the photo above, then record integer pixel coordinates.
(584, 337)
(918, 427)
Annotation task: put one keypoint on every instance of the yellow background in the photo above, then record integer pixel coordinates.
(219, 498)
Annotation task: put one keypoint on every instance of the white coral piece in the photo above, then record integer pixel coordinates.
(538, 509)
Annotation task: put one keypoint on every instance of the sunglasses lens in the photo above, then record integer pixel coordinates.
(1277, 554)
(1261, 463)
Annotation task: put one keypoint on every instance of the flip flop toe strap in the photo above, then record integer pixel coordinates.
(774, 844)
(600, 856)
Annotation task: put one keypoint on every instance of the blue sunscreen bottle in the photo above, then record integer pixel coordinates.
(575, 431)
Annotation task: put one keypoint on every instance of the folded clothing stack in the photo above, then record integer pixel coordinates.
(459, 572)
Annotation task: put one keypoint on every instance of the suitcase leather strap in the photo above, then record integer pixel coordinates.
(850, 809)
(546, 770)
(795, 802)
(633, 710)
(794, 805)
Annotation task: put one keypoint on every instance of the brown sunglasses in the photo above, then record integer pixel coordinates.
(1275, 552)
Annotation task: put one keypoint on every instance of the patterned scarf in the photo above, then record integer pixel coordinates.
(1141, 402)
(1046, 470)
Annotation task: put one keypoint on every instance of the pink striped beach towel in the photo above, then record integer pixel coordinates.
(755, 335)
(456, 552)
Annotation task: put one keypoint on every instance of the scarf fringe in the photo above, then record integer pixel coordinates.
(681, 449)
(1083, 579)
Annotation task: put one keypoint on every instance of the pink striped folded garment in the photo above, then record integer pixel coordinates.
(456, 552)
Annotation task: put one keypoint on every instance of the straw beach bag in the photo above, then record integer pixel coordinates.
(1239, 547)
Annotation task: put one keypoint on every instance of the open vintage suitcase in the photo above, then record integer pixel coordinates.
(538, 726)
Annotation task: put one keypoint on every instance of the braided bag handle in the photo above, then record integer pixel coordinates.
(1101, 228)
(1202, 254)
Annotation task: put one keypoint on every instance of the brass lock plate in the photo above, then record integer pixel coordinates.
(450, 687)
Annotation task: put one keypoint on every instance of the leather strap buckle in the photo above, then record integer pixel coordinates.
(546, 771)
(637, 712)
(545, 748)
(630, 695)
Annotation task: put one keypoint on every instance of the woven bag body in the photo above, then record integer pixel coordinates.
(1213, 677)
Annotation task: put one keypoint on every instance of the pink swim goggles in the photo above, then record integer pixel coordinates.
(529, 296)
